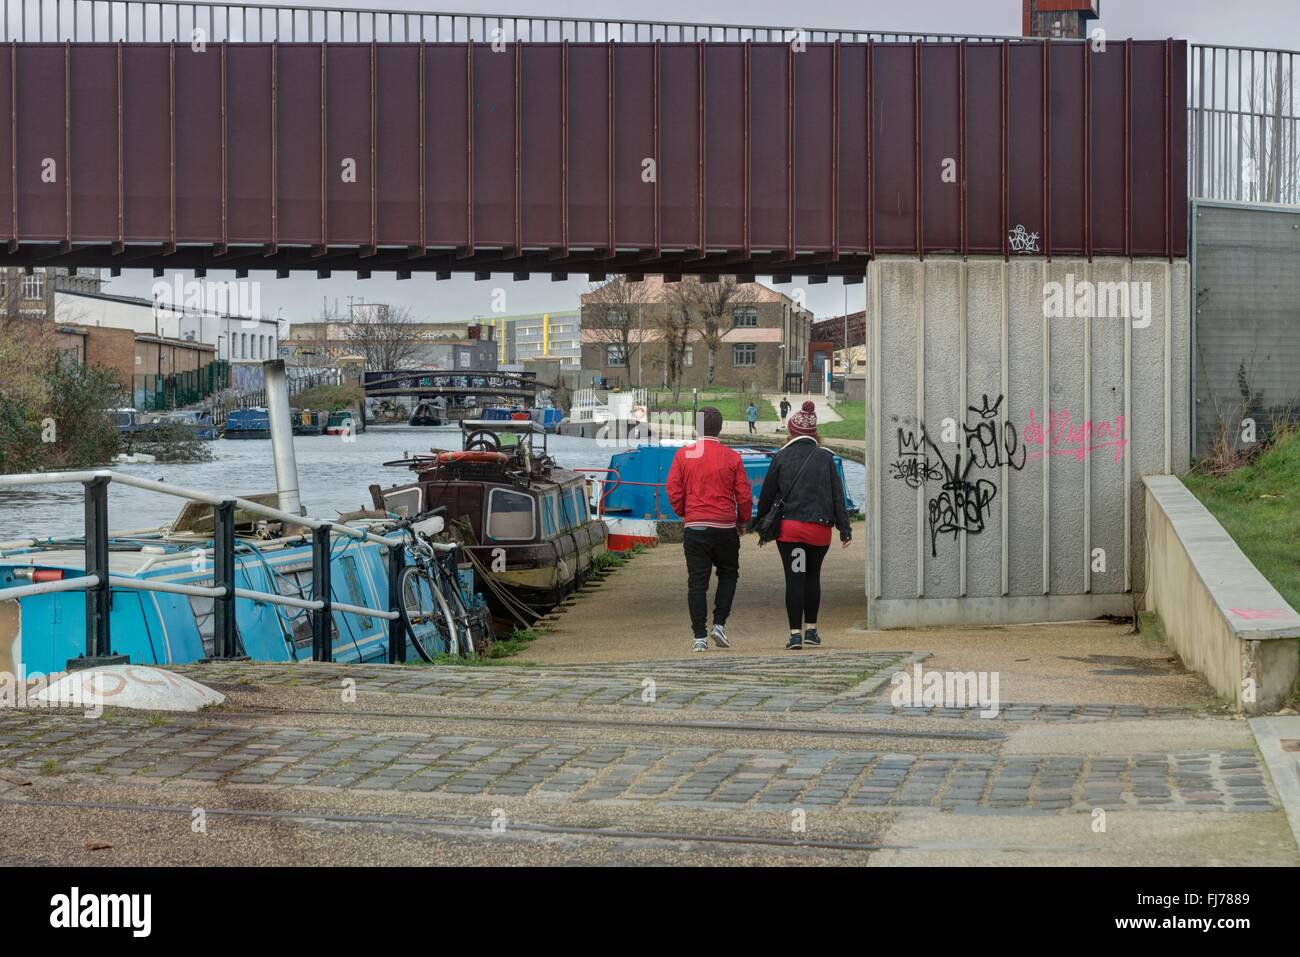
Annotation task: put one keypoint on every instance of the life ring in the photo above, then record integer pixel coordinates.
(445, 458)
(639, 413)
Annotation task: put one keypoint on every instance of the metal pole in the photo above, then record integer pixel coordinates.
(396, 627)
(99, 644)
(223, 577)
(322, 642)
(277, 407)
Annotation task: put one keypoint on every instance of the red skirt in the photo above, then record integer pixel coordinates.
(805, 533)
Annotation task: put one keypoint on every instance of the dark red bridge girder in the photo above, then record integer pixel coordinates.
(622, 157)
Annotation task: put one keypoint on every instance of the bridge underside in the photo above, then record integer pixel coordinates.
(441, 262)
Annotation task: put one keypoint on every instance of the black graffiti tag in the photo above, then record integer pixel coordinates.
(982, 444)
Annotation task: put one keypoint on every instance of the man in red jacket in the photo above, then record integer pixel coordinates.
(708, 488)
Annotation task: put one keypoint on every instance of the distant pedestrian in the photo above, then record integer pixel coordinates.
(752, 415)
(708, 488)
(785, 408)
(804, 484)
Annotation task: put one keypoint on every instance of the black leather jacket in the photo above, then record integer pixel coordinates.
(818, 496)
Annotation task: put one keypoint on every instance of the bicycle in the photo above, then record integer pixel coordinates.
(434, 608)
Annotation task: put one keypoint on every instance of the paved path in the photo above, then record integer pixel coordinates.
(608, 742)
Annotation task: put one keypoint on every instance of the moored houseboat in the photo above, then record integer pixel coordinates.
(253, 423)
(344, 422)
(428, 413)
(233, 576)
(307, 422)
(525, 522)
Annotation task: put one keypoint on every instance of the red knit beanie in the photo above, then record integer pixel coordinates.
(804, 422)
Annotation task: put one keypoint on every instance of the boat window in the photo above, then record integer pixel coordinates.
(404, 503)
(580, 513)
(356, 596)
(205, 617)
(548, 502)
(510, 516)
(295, 583)
(567, 517)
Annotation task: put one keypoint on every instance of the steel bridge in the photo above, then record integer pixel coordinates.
(418, 382)
(196, 135)
(375, 140)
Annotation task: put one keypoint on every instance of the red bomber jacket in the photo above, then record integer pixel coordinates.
(707, 485)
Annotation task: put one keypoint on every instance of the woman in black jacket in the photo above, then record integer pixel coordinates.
(803, 478)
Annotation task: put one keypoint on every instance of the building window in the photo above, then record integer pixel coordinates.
(614, 357)
(745, 317)
(688, 357)
(34, 286)
(744, 354)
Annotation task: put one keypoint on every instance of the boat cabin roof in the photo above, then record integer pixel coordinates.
(501, 425)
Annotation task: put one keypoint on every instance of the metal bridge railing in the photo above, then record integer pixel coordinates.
(98, 582)
(1242, 124)
(35, 21)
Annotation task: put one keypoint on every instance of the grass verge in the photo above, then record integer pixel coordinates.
(852, 424)
(1259, 506)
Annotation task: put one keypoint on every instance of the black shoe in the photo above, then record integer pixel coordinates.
(795, 643)
(811, 637)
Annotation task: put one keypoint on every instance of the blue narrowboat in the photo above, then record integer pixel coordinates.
(632, 496)
(153, 627)
(252, 423)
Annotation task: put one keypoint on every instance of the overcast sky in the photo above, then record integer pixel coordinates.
(1263, 23)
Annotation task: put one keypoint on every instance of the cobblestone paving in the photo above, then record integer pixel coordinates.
(836, 683)
(715, 777)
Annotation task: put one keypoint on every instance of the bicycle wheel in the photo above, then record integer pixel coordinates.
(469, 643)
(425, 613)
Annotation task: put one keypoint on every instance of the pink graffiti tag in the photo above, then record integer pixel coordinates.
(1060, 435)
(1259, 614)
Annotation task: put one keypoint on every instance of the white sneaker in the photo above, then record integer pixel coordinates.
(720, 636)
(700, 645)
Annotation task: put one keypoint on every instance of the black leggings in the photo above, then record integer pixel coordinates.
(803, 588)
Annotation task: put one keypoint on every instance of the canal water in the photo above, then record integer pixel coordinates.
(333, 475)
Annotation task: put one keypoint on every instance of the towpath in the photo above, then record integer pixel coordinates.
(609, 742)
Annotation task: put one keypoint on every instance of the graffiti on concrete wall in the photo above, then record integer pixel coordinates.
(962, 493)
(1060, 435)
(962, 497)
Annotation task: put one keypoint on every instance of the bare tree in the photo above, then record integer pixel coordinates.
(1272, 156)
(613, 316)
(675, 323)
(715, 311)
(383, 335)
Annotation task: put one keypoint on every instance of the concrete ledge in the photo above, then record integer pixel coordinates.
(887, 613)
(1221, 615)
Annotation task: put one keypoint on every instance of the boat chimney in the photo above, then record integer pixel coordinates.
(277, 408)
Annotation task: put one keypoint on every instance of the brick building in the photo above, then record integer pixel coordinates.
(765, 348)
(1061, 19)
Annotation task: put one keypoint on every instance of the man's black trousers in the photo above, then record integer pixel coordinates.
(707, 549)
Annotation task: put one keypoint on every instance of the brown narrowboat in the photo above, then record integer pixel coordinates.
(526, 522)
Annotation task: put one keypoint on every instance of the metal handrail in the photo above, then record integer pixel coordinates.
(58, 478)
(98, 582)
(45, 588)
(600, 510)
(1243, 130)
(139, 21)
